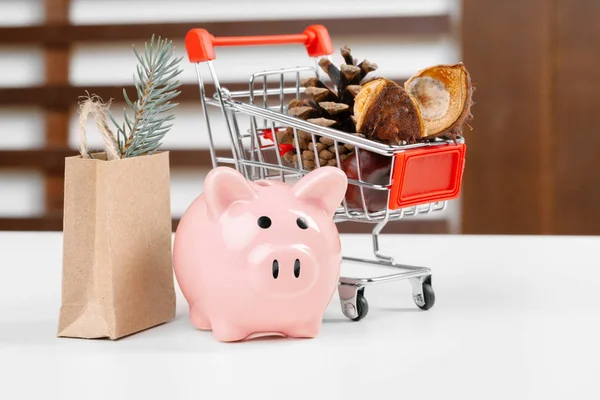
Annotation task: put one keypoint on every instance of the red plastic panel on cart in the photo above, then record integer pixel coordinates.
(427, 175)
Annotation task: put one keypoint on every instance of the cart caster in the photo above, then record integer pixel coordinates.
(354, 304)
(423, 293)
(362, 305)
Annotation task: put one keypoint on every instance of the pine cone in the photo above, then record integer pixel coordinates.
(328, 108)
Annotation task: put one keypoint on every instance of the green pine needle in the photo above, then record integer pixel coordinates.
(155, 87)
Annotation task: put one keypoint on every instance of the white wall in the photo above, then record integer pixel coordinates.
(113, 63)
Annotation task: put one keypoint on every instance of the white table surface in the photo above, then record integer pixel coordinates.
(515, 318)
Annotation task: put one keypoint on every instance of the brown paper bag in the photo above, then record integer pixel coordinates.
(117, 274)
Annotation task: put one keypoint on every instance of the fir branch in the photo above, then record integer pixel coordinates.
(155, 87)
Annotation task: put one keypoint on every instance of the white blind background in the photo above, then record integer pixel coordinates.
(21, 192)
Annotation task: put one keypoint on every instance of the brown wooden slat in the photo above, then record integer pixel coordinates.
(55, 223)
(52, 160)
(434, 226)
(66, 34)
(57, 11)
(506, 51)
(66, 95)
(56, 116)
(574, 151)
(32, 224)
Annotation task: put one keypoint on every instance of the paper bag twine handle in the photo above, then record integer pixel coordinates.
(98, 110)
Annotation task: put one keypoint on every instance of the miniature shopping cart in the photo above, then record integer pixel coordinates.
(422, 176)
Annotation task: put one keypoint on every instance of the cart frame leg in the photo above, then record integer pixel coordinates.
(351, 290)
(348, 294)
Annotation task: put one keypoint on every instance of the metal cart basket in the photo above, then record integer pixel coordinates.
(422, 177)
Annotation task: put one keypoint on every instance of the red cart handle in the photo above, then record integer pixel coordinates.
(200, 44)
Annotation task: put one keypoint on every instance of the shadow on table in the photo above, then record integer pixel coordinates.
(177, 336)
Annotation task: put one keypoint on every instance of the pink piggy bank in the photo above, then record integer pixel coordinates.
(257, 258)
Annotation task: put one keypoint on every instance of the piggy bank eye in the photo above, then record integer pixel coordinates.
(302, 223)
(264, 222)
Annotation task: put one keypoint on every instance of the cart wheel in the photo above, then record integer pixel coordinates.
(362, 305)
(428, 297)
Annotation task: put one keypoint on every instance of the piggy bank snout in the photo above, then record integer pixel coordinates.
(284, 271)
(297, 266)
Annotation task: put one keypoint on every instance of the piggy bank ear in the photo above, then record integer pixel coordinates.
(223, 187)
(325, 187)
